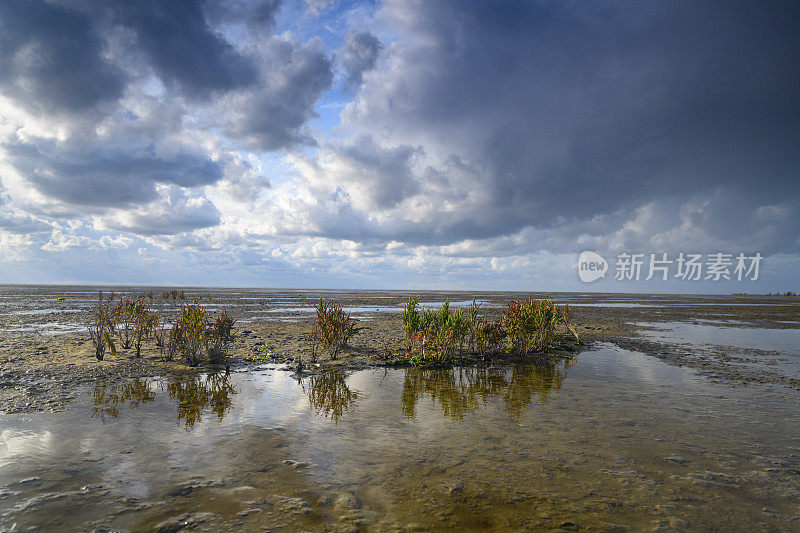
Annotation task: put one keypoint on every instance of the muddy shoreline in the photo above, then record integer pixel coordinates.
(42, 373)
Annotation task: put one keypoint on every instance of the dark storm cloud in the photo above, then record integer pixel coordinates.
(105, 177)
(272, 115)
(181, 47)
(254, 13)
(52, 54)
(383, 176)
(574, 110)
(359, 54)
(51, 59)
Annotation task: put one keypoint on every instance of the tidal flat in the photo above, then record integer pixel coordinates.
(678, 413)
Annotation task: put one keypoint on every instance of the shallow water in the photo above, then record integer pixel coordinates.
(775, 351)
(781, 340)
(616, 439)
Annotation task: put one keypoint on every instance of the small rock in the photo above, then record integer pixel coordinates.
(249, 511)
(296, 464)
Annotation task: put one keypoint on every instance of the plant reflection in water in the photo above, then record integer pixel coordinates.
(461, 391)
(329, 394)
(192, 394)
(458, 391)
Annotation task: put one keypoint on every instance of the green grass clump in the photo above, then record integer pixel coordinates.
(436, 335)
(531, 326)
(412, 322)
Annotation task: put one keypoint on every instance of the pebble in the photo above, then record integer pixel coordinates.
(296, 464)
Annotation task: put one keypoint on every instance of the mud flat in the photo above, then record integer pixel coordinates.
(678, 413)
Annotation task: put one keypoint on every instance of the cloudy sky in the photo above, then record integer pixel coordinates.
(397, 143)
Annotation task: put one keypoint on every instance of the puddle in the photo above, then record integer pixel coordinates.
(46, 328)
(611, 304)
(616, 439)
(51, 311)
(781, 340)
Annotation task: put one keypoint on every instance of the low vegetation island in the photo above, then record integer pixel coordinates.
(527, 329)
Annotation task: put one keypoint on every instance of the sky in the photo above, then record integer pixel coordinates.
(414, 144)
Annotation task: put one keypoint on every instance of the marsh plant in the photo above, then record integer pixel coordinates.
(124, 318)
(102, 328)
(192, 336)
(436, 335)
(160, 333)
(473, 320)
(412, 321)
(333, 329)
(489, 338)
(220, 335)
(175, 294)
(531, 326)
(173, 342)
(195, 334)
(145, 322)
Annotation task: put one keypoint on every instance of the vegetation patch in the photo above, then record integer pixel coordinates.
(437, 336)
(332, 330)
(195, 335)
